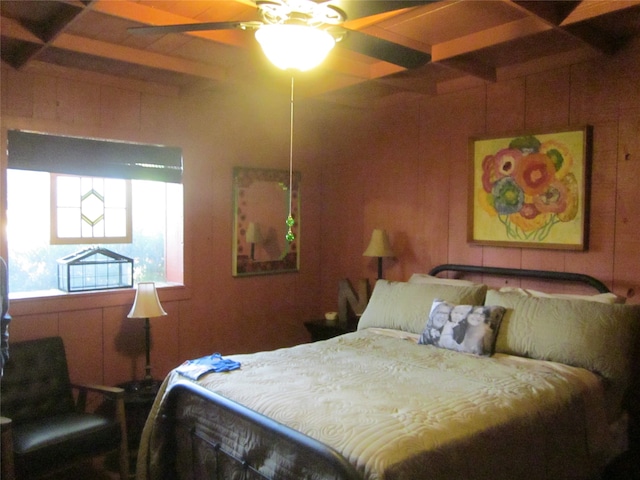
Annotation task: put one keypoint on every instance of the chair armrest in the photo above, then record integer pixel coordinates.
(117, 395)
(114, 392)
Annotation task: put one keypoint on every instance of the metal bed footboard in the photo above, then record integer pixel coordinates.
(201, 434)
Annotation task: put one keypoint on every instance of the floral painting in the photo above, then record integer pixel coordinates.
(530, 190)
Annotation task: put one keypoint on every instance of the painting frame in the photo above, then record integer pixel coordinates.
(531, 189)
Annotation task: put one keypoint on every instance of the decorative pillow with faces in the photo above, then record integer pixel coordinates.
(463, 328)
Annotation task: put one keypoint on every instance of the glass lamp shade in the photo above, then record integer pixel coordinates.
(146, 303)
(379, 245)
(296, 47)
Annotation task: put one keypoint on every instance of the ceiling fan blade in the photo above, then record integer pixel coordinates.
(360, 8)
(194, 27)
(384, 50)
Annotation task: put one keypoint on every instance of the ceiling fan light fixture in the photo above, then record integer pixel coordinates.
(298, 47)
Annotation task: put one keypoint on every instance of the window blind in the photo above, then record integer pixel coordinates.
(95, 158)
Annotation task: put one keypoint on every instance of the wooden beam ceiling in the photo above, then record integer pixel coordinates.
(45, 31)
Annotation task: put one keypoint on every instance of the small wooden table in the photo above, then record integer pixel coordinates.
(138, 400)
(323, 329)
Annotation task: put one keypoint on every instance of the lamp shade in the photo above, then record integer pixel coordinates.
(298, 47)
(253, 233)
(379, 245)
(146, 303)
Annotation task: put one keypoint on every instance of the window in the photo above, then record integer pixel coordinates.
(58, 204)
(86, 209)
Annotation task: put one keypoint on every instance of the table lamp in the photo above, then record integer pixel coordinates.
(147, 305)
(379, 247)
(253, 236)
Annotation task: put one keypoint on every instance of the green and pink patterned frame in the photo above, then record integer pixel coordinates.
(531, 189)
(262, 197)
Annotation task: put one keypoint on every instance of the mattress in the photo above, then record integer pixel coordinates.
(399, 410)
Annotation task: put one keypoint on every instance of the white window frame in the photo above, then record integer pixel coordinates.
(55, 239)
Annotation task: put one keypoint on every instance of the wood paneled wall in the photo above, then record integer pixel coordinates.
(402, 167)
(405, 168)
(213, 312)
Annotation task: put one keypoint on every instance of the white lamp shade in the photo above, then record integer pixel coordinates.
(146, 303)
(379, 245)
(253, 233)
(297, 47)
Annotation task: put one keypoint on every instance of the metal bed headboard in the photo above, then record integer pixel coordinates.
(519, 272)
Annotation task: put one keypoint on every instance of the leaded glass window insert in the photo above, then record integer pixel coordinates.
(90, 210)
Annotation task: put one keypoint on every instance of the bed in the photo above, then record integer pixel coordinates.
(535, 387)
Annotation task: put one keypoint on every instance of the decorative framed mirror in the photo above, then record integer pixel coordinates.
(261, 201)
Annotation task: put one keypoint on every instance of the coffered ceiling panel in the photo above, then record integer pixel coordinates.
(474, 39)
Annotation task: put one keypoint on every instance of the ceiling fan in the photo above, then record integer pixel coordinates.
(317, 18)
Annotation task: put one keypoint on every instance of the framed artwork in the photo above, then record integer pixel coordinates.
(261, 199)
(531, 189)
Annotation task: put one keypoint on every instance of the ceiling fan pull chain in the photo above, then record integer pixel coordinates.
(290, 221)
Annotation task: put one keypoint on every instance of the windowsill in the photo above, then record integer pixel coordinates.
(48, 301)
(54, 292)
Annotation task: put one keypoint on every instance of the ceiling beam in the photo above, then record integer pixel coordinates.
(393, 37)
(595, 8)
(554, 12)
(560, 15)
(488, 38)
(13, 29)
(345, 64)
(364, 22)
(142, 14)
(595, 38)
(39, 35)
(26, 46)
(139, 57)
(455, 53)
(138, 13)
(55, 24)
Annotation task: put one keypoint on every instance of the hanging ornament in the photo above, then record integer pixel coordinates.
(290, 222)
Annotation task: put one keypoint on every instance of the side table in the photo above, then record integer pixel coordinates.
(138, 400)
(323, 330)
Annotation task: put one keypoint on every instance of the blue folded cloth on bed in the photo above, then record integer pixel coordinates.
(194, 369)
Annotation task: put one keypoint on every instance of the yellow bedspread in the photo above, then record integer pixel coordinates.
(399, 410)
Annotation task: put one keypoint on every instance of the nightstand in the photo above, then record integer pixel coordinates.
(138, 400)
(323, 330)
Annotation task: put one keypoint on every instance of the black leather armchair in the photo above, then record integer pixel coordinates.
(50, 429)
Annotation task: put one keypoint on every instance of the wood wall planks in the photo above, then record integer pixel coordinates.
(401, 167)
(603, 92)
(214, 311)
(627, 226)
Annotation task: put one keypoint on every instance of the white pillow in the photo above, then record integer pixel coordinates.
(599, 297)
(406, 306)
(426, 278)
